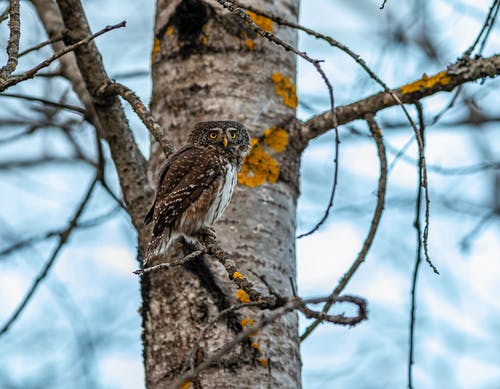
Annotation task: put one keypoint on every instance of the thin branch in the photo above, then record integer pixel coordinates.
(142, 111)
(489, 21)
(356, 57)
(189, 362)
(63, 239)
(31, 73)
(169, 265)
(338, 319)
(59, 36)
(382, 184)
(69, 107)
(456, 74)
(383, 4)
(39, 162)
(490, 28)
(13, 45)
(425, 183)
(5, 14)
(209, 245)
(418, 260)
(51, 234)
(237, 9)
(266, 319)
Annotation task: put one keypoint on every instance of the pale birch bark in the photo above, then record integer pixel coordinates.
(206, 69)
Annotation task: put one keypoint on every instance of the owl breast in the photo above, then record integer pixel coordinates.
(222, 196)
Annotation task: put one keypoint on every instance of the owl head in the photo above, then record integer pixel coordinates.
(230, 138)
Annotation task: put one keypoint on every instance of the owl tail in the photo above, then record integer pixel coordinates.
(158, 245)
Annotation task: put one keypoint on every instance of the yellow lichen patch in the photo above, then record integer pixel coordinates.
(243, 296)
(204, 40)
(185, 385)
(264, 23)
(256, 346)
(170, 30)
(263, 361)
(284, 87)
(247, 322)
(426, 82)
(156, 47)
(258, 167)
(277, 138)
(237, 275)
(250, 44)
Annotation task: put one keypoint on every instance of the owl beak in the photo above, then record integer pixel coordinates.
(224, 140)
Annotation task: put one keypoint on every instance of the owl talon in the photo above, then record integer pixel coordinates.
(208, 232)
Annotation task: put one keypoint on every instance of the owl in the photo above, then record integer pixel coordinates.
(196, 183)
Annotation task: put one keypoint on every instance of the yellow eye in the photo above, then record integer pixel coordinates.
(233, 135)
(213, 135)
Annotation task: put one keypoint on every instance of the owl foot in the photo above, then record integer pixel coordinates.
(206, 232)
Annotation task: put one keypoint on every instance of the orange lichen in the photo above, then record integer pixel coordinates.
(284, 87)
(247, 322)
(204, 40)
(156, 48)
(170, 30)
(256, 346)
(237, 274)
(185, 385)
(250, 44)
(243, 296)
(263, 362)
(264, 23)
(426, 82)
(277, 138)
(258, 167)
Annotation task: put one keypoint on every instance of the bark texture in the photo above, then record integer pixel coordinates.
(207, 66)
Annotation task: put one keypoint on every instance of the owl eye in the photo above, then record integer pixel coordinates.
(233, 135)
(213, 135)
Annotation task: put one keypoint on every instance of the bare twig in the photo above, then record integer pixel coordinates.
(236, 8)
(383, 4)
(266, 319)
(63, 239)
(5, 14)
(189, 362)
(143, 112)
(334, 43)
(489, 21)
(51, 234)
(456, 74)
(382, 183)
(47, 160)
(423, 177)
(418, 260)
(490, 28)
(31, 73)
(13, 45)
(69, 107)
(338, 319)
(169, 265)
(59, 36)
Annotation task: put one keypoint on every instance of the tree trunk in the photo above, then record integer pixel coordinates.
(207, 65)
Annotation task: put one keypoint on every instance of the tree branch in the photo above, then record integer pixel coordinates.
(13, 45)
(459, 73)
(382, 184)
(31, 73)
(63, 239)
(142, 111)
(130, 163)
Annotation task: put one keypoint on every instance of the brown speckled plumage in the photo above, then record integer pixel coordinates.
(196, 183)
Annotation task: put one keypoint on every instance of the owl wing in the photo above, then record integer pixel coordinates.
(164, 170)
(182, 182)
